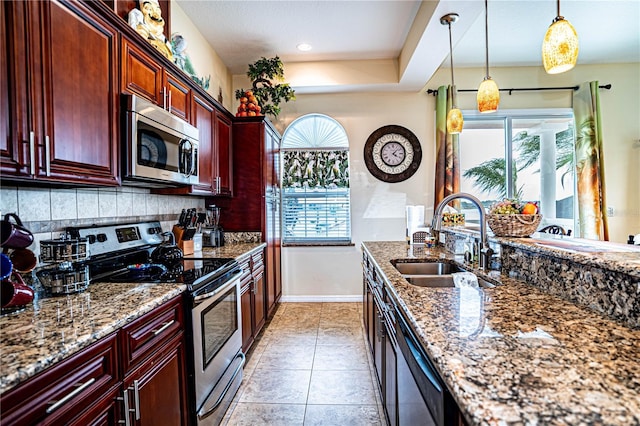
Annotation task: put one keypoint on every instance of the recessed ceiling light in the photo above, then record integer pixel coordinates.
(304, 47)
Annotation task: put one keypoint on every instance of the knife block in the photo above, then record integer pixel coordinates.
(185, 246)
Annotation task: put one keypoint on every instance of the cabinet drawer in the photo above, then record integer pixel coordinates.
(141, 338)
(60, 393)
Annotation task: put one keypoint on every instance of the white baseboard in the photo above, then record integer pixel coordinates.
(327, 298)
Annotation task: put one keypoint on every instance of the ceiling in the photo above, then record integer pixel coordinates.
(410, 32)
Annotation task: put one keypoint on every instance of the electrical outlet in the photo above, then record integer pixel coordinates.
(610, 211)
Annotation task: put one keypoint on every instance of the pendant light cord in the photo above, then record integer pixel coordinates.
(451, 54)
(486, 36)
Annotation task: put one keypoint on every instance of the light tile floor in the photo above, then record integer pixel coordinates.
(310, 366)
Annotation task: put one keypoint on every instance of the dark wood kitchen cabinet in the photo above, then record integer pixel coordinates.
(223, 156)
(252, 295)
(69, 390)
(144, 76)
(143, 363)
(59, 63)
(203, 117)
(153, 359)
(255, 206)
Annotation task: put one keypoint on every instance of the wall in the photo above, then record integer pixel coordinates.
(46, 212)
(204, 59)
(377, 208)
(323, 273)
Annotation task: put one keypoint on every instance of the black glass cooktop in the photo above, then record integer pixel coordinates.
(192, 272)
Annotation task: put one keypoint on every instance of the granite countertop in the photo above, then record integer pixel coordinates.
(514, 354)
(624, 258)
(51, 329)
(236, 251)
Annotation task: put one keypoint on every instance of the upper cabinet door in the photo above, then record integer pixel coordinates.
(203, 117)
(79, 96)
(63, 94)
(141, 74)
(178, 97)
(224, 155)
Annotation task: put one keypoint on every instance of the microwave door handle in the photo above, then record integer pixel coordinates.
(184, 161)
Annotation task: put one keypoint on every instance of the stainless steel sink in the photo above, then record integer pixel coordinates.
(440, 281)
(433, 274)
(427, 268)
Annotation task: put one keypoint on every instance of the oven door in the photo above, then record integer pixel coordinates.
(217, 336)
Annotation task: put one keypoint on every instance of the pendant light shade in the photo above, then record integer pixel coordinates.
(560, 46)
(488, 92)
(488, 96)
(455, 122)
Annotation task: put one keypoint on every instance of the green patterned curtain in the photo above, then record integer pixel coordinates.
(590, 163)
(447, 179)
(316, 169)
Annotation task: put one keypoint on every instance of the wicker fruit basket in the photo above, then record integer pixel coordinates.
(513, 225)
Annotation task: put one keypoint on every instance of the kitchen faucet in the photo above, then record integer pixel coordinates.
(485, 252)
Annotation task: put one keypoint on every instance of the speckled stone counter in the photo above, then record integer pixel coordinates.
(54, 328)
(236, 251)
(51, 329)
(514, 354)
(599, 275)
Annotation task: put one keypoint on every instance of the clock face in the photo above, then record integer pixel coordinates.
(392, 153)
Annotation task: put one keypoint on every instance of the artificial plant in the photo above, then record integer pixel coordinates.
(267, 79)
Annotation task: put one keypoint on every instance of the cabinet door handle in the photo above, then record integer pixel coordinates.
(81, 387)
(160, 330)
(218, 185)
(164, 97)
(136, 397)
(125, 401)
(32, 152)
(47, 153)
(169, 100)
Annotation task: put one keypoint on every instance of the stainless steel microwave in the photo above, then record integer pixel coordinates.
(160, 148)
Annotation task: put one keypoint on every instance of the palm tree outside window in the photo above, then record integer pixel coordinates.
(525, 154)
(315, 182)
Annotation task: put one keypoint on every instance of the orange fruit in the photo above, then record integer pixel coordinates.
(529, 208)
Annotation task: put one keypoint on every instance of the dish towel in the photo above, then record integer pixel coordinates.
(465, 279)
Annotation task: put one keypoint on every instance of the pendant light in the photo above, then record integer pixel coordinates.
(454, 117)
(488, 93)
(560, 46)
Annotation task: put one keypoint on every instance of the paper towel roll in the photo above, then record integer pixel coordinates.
(415, 219)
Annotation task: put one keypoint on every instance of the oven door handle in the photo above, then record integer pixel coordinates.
(220, 289)
(202, 415)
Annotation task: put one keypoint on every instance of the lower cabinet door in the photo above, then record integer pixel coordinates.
(247, 326)
(156, 391)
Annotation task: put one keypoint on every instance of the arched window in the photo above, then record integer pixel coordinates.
(315, 181)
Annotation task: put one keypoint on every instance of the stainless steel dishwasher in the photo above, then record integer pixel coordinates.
(421, 393)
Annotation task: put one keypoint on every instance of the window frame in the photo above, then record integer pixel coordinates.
(507, 116)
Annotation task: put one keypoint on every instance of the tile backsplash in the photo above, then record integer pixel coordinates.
(47, 212)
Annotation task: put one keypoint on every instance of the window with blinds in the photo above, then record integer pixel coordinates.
(316, 204)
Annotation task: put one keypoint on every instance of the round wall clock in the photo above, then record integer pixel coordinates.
(392, 153)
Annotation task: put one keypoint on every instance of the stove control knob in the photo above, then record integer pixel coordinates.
(102, 238)
(91, 238)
